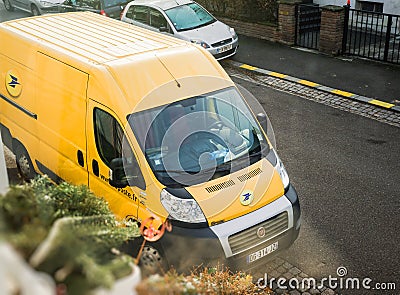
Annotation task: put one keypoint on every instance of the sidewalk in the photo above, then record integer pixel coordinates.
(359, 76)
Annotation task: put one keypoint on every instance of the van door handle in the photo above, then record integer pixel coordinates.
(81, 161)
(95, 167)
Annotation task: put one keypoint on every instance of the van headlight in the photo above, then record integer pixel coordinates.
(186, 210)
(282, 171)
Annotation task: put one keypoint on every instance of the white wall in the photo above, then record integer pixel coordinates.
(389, 6)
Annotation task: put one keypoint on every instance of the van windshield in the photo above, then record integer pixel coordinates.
(189, 16)
(199, 138)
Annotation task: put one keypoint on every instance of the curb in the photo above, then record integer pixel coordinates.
(356, 97)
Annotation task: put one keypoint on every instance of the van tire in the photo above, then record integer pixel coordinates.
(152, 261)
(35, 11)
(24, 163)
(8, 5)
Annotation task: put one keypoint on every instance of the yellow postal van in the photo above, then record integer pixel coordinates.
(155, 126)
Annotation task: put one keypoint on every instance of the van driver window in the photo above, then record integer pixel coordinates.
(108, 135)
(111, 143)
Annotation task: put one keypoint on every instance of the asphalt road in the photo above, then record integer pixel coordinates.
(346, 170)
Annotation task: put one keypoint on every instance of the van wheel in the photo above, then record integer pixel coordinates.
(7, 5)
(24, 163)
(151, 261)
(35, 10)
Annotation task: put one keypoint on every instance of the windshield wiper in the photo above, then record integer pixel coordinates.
(175, 171)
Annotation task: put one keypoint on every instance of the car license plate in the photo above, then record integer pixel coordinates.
(261, 253)
(224, 48)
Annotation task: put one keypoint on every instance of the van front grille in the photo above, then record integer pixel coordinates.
(249, 238)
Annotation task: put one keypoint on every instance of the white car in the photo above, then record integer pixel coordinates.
(184, 19)
(36, 7)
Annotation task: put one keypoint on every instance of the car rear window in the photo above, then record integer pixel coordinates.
(110, 3)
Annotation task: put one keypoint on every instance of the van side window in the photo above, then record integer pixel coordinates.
(111, 144)
(108, 136)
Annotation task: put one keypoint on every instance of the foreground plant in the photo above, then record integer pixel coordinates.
(80, 252)
(215, 280)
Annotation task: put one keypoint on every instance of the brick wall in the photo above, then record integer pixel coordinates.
(268, 32)
(331, 34)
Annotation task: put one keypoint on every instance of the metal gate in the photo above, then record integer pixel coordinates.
(308, 24)
(372, 35)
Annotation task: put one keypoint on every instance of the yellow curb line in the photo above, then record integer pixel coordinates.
(308, 83)
(381, 103)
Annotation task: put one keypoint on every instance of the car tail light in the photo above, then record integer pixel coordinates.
(102, 12)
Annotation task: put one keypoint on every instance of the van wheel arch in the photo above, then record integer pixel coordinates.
(24, 162)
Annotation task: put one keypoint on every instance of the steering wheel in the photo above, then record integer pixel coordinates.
(217, 124)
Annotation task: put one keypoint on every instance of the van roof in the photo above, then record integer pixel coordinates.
(91, 36)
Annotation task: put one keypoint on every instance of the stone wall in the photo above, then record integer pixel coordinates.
(331, 34)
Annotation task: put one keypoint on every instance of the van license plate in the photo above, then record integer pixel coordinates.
(261, 253)
(224, 48)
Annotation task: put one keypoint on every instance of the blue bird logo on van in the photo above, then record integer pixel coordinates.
(13, 84)
(246, 197)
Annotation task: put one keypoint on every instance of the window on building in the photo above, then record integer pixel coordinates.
(370, 6)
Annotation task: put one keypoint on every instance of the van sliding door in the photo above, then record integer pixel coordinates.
(61, 98)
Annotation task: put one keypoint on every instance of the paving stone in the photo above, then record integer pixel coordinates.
(328, 292)
(294, 292)
(303, 275)
(295, 271)
(279, 261)
(314, 291)
(287, 265)
(288, 275)
(281, 269)
(274, 274)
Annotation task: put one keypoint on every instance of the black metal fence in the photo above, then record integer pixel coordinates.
(308, 24)
(372, 35)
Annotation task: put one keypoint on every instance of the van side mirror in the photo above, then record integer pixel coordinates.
(118, 177)
(262, 119)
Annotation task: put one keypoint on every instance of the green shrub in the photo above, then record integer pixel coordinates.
(79, 254)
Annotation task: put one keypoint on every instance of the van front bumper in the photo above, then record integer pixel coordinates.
(239, 244)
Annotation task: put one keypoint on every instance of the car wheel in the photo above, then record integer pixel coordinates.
(24, 163)
(35, 10)
(7, 5)
(151, 261)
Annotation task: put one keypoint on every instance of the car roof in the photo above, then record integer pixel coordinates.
(162, 4)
